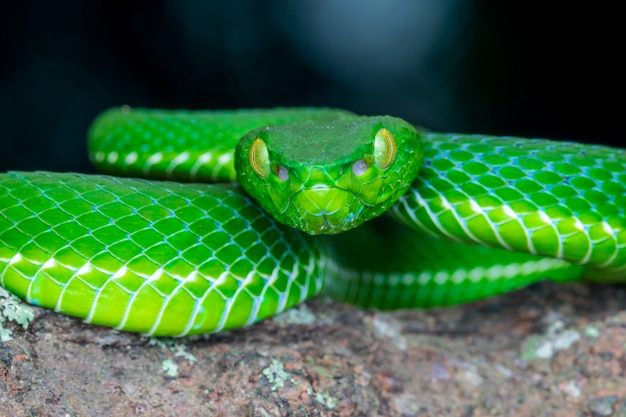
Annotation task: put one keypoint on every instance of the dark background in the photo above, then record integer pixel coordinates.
(495, 67)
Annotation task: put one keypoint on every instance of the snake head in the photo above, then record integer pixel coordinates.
(326, 178)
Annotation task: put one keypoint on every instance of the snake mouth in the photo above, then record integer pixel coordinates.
(324, 210)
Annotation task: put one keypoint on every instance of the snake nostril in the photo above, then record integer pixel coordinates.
(282, 173)
(359, 167)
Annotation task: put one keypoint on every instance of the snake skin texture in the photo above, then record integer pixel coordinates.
(158, 258)
(557, 199)
(484, 215)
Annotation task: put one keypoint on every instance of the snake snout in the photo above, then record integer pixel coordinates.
(325, 210)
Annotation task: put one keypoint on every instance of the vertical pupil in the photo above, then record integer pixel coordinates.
(385, 148)
(258, 158)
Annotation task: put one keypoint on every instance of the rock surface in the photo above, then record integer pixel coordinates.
(548, 350)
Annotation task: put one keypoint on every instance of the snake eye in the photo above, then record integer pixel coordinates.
(359, 167)
(385, 148)
(282, 173)
(259, 158)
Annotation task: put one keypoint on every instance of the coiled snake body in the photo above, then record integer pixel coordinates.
(484, 215)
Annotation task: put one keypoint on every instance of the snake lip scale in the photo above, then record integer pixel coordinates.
(368, 209)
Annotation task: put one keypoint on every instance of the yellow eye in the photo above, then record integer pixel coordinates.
(259, 159)
(385, 148)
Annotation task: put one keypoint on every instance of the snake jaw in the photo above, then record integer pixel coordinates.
(322, 209)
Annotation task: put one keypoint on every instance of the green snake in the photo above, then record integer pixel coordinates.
(209, 220)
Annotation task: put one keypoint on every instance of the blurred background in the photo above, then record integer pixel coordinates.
(516, 68)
